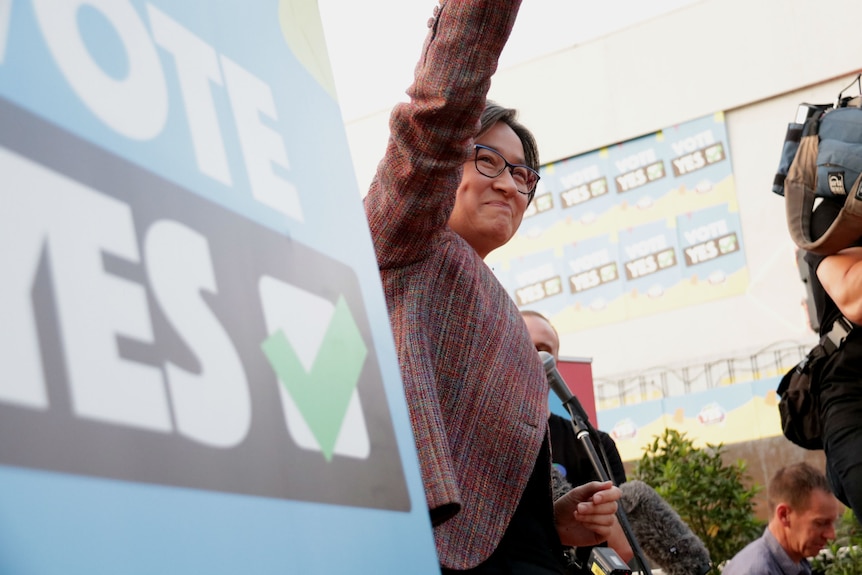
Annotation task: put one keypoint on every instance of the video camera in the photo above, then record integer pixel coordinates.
(822, 158)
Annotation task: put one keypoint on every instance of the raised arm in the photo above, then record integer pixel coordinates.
(412, 194)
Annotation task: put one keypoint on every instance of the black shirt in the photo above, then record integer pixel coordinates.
(574, 464)
(840, 379)
(530, 545)
(571, 457)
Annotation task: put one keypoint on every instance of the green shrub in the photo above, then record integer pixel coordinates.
(844, 555)
(709, 495)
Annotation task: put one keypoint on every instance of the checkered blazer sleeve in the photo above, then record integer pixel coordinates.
(413, 192)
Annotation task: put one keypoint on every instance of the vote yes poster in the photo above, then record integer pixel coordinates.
(198, 371)
(631, 230)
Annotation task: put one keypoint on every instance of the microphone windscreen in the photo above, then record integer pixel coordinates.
(662, 534)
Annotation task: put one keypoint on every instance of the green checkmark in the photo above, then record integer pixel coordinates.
(322, 394)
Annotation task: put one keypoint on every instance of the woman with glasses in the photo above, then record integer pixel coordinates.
(453, 186)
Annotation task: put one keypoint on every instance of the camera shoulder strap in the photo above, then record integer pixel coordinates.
(799, 195)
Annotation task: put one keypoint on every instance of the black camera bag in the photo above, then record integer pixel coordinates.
(799, 390)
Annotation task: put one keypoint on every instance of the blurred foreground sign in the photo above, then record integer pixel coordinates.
(198, 370)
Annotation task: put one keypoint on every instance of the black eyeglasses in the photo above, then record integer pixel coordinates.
(491, 163)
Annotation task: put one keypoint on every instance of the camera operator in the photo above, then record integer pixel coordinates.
(836, 284)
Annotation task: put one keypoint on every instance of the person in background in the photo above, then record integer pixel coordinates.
(568, 453)
(456, 178)
(802, 513)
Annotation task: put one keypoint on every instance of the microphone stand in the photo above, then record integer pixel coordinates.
(582, 428)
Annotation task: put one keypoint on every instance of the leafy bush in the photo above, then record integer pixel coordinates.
(844, 555)
(708, 494)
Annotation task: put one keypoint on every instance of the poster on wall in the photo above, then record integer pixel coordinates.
(198, 371)
(638, 228)
(741, 412)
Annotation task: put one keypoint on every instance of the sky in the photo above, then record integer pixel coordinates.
(374, 44)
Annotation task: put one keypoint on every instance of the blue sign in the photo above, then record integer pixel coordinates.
(198, 370)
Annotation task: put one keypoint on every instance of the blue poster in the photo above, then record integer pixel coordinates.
(594, 278)
(734, 413)
(639, 173)
(199, 375)
(662, 206)
(649, 255)
(710, 240)
(539, 281)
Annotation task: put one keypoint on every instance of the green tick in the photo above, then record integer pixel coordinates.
(323, 393)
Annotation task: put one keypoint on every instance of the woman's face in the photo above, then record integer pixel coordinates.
(488, 211)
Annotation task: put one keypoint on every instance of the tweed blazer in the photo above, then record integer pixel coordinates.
(475, 387)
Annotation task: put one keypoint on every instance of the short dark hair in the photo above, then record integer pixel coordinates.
(494, 113)
(794, 484)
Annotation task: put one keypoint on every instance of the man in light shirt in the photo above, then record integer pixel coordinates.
(803, 514)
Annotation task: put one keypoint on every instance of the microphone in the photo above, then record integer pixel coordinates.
(555, 380)
(581, 427)
(580, 418)
(664, 536)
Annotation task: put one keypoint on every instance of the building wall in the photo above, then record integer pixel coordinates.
(770, 314)
(755, 61)
(710, 56)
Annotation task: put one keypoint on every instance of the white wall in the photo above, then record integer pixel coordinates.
(771, 311)
(713, 55)
(754, 59)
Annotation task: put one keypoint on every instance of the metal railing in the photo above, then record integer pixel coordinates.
(668, 381)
